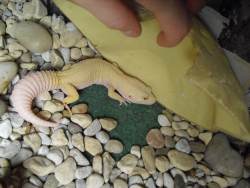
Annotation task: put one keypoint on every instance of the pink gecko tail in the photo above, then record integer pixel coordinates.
(27, 89)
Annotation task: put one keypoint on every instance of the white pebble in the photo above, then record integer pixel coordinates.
(183, 145)
(83, 172)
(80, 159)
(93, 128)
(102, 136)
(5, 129)
(56, 156)
(43, 150)
(163, 120)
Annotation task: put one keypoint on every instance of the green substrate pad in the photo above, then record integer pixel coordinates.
(134, 121)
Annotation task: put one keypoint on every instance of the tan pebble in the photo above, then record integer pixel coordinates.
(53, 106)
(2, 27)
(136, 150)
(182, 125)
(220, 181)
(148, 156)
(66, 114)
(58, 24)
(94, 181)
(163, 120)
(84, 120)
(87, 52)
(57, 117)
(70, 38)
(82, 43)
(119, 183)
(75, 53)
(169, 142)
(97, 164)
(113, 146)
(182, 133)
(18, 54)
(44, 115)
(206, 137)
(127, 163)
(108, 124)
(46, 21)
(26, 58)
(136, 186)
(56, 41)
(181, 160)
(198, 156)
(6, 58)
(176, 118)
(56, 60)
(77, 141)
(204, 168)
(58, 138)
(92, 146)
(108, 165)
(162, 163)
(79, 109)
(140, 171)
(33, 140)
(155, 139)
(167, 131)
(193, 132)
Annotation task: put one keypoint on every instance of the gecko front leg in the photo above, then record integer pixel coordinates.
(114, 95)
(72, 95)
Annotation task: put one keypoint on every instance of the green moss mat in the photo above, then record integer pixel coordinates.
(134, 121)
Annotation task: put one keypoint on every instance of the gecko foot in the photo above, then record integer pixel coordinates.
(67, 108)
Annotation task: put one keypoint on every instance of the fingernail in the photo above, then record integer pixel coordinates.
(130, 33)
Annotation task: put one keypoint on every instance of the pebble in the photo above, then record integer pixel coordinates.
(97, 164)
(102, 136)
(108, 124)
(162, 163)
(43, 150)
(163, 120)
(80, 159)
(80, 183)
(29, 185)
(8, 71)
(2, 27)
(150, 183)
(58, 138)
(213, 185)
(75, 53)
(114, 174)
(193, 132)
(220, 181)
(197, 147)
(83, 172)
(92, 146)
(77, 141)
(198, 156)
(33, 140)
(70, 38)
(114, 146)
(84, 120)
(79, 109)
(242, 184)
(46, 140)
(36, 181)
(135, 180)
(94, 181)
(136, 150)
(65, 52)
(127, 163)
(168, 180)
(9, 149)
(159, 180)
(182, 133)
(26, 30)
(183, 146)
(167, 131)
(206, 137)
(176, 171)
(179, 182)
(40, 166)
(21, 156)
(155, 138)
(136, 186)
(148, 156)
(68, 166)
(56, 156)
(181, 160)
(182, 125)
(5, 128)
(53, 106)
(46, 56)
(56, 41)
(169, 142)
(83, 42)
(46, 115)
(108, 165)
(141, 171)
(93, 128)
(119, 183)
(74, 129)
(3, 107)
(56, 60)
(16, 120)
(87, 52)
(222, 157)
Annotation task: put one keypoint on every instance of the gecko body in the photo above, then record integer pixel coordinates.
(121, 87)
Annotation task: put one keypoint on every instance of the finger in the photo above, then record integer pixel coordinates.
(114, 14)
(173, 19)
(195, 6)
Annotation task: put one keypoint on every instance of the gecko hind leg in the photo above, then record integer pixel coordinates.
(72, 96)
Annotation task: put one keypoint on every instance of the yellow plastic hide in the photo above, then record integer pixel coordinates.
(193, 79)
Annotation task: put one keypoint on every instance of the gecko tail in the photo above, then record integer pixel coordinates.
(29, 88)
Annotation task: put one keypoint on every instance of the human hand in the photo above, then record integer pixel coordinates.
(173, 17)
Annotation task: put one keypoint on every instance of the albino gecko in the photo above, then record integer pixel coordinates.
(121, 87)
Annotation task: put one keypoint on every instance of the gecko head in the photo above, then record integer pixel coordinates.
(137, 92)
